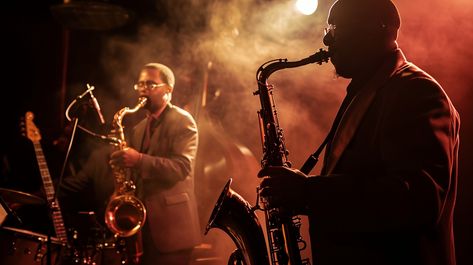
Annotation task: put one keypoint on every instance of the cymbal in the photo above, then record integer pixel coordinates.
(30, 234)
(16, 198)
(91, 15)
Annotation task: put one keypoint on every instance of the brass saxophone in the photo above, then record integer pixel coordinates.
(235, 216)
(125, 214)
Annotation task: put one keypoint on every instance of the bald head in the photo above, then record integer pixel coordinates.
(379, 16)
(361, 34)
(366, 11)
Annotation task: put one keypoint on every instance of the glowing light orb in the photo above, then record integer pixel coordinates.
(307, 7)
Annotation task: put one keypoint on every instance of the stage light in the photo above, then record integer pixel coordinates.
(307, 7)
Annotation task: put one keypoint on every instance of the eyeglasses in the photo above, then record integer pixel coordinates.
(348, 30)
(148, 85)
(330, 30)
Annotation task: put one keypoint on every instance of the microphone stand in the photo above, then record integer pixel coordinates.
(66, 159)
(95, 103)
(76, 125)
(75, 122)
(48, 244)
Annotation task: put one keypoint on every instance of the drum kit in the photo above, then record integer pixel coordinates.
(90, 243)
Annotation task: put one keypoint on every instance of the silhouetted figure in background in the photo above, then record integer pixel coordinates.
(387, 189)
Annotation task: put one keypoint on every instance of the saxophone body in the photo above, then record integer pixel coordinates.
(125, 214)
(235, 216)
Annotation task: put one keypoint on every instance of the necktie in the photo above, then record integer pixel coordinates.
(147, 135)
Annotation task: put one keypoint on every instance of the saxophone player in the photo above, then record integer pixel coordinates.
(160, 153)
(387, 188)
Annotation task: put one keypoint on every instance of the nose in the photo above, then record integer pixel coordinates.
(328, 39)
(143, 91)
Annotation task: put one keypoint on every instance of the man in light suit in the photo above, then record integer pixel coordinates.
(160, 153)
(387, 189)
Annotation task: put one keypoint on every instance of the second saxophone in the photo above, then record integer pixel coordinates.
(236, 217)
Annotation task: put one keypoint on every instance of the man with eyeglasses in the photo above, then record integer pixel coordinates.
(161, 154)
(387, 188)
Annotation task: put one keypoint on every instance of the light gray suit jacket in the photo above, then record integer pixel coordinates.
(165, 179)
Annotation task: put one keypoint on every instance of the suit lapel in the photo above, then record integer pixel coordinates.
(357, 108)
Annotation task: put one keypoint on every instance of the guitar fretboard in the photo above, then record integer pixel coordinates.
(57, 219)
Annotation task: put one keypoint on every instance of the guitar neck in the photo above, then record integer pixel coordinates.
(48, 185)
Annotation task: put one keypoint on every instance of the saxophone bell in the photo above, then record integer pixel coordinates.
(125, 215)
(235, 216)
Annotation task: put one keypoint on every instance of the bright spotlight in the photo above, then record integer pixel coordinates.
(307, 7)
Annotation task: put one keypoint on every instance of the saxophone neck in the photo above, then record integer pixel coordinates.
(118, 118)
(118, 137)
(272, 66)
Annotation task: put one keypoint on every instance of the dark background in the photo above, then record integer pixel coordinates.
(48, 61)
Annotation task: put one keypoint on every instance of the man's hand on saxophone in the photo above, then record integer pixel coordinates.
(283, 187)
(128, 157)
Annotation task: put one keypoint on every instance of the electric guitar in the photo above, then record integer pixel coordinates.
(34, 136)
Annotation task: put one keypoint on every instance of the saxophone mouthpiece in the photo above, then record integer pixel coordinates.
(321, 56)
(142, 101)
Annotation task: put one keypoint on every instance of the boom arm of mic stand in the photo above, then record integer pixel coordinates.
(66, 159)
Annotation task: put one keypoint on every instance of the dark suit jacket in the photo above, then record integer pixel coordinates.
(165, 179)
(388, 185)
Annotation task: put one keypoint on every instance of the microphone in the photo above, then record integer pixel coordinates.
(96, 105)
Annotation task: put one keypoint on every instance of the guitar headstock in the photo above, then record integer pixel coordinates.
(30, 130)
